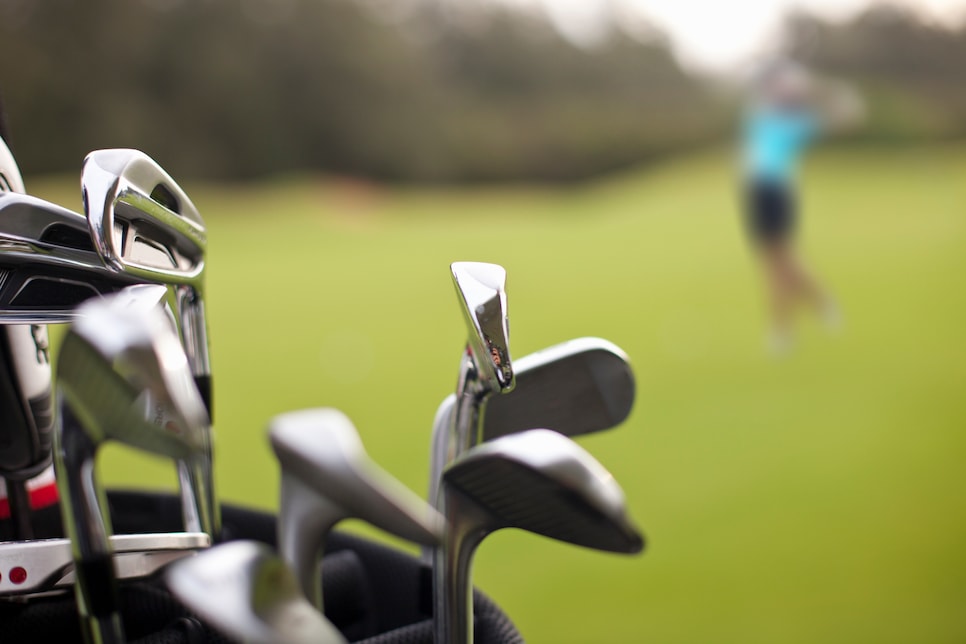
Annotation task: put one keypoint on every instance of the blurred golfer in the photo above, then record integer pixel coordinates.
(789, 109)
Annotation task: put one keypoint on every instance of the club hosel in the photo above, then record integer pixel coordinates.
(304, 520)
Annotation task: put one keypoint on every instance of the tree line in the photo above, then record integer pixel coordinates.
(412, 90)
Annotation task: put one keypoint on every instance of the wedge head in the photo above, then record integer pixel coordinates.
(481, 289)
(542, 482)
(117, 355)
(247, 592)
(321, 448)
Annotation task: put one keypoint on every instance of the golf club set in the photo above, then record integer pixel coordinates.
(128, 278)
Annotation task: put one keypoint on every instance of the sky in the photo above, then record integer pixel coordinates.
(716, 35)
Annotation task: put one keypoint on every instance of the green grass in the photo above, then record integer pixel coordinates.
(818, 498)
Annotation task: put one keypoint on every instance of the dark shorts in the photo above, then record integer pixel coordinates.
(770, 210)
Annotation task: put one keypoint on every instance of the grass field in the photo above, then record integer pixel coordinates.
(818, 498)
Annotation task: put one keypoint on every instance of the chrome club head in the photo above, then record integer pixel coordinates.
(143, 298)
(326, 477)
(481, 289)
(248, 593)
(577, 387)
(141, 221)
(48, 265)
(114, 358)
(539, 481)
(144, 225)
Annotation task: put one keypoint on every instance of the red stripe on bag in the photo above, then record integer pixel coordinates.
(42, 497)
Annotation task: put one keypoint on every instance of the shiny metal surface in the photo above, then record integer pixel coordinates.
(577, 387)
(248, 593)
(48, 264)
(539, 481)
(47, 564)
(327, 477)
(485, 366)
(481, 289)
(143, 224)
(113, 358)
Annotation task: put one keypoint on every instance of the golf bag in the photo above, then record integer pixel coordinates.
(374, 594)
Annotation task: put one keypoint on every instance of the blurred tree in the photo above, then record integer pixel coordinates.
(406, 90)
(911, 72)
(236, 88)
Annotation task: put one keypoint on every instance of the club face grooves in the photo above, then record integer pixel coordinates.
(518, 496)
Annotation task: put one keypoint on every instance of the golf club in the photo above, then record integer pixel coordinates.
(539, 481)
(327, 477)
(112, 356)
(144, 225)
(248, 593)
(144, 297)
(577, 387)
(485, 366)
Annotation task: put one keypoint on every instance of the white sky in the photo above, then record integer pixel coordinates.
(717, 34)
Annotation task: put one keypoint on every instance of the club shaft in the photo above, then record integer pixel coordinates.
(83, 507)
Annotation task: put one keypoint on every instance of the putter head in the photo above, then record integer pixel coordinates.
(481, 289)
(248, 593)
(578, 387)
(322, 450)
(142, 223)
(120, 353)
(48, 264)
(543, 482)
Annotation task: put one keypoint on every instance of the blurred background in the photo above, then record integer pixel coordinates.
(344, 152)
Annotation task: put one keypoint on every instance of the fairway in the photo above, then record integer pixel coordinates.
(817, 498)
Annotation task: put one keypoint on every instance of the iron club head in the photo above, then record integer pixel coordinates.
(143, 224)
(248, 593)
(326, 477)
(114, 357)
(577, 387)
(539, 481)
(481, 289)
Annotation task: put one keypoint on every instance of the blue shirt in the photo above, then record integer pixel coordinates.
(774, 140)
